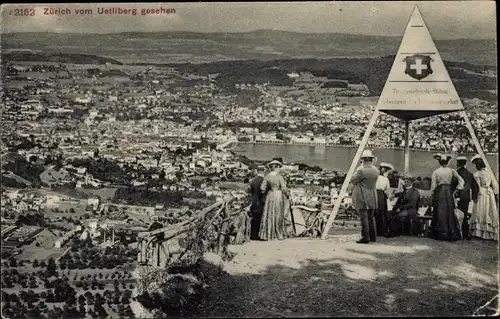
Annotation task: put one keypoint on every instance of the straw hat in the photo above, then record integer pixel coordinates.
(476, 157)
(461, 158)
(274, 162)
(387, 165)
(367, 154)
(442, 157)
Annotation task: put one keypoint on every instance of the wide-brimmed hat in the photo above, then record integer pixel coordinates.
(387, 165)
(367, 154)
(462, 158)
(274, 162)
(442, 157)
(475, 158)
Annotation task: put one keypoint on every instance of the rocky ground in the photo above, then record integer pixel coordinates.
(404, 276)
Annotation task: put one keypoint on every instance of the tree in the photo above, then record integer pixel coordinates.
(5, 296)
(63, 291)
(82, 311)
(50, 296)
(101, 312)
(48, 284)
(51, 267)
(42, 305)
(179, 175)
(162, 175)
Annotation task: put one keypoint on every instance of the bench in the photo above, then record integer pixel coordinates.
(426, 224)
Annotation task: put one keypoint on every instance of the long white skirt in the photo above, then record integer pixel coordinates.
(484, 219)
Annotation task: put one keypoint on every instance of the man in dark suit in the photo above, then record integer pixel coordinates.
(470, 190)
(257, 202)
(406, 209)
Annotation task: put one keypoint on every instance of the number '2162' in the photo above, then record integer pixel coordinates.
(24, 12)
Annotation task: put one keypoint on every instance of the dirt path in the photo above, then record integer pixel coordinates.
(405, 276)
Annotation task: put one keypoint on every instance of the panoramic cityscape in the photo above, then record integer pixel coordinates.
(103, 152)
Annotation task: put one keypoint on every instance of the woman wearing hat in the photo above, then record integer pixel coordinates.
(383, 187)
(273, 223)
(445, 224)
(484, 219)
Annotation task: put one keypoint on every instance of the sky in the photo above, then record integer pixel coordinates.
(445, 19)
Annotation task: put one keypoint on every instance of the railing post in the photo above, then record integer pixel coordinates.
(223, 229)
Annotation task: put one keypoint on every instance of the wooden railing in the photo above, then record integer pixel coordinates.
(211, 229)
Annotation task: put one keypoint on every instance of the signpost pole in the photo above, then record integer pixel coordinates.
(407, 148)
(479, 149)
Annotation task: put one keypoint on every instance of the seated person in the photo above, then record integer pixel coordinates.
(405, 210)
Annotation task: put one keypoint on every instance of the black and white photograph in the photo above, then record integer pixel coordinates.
(249, 159)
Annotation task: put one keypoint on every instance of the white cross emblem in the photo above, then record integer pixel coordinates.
(418, 66)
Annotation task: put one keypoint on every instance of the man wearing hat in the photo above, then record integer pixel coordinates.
(257, 202)
(364, 196)
(464, 195)
(406, 209)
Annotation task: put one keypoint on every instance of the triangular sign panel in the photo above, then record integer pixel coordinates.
(418, 84)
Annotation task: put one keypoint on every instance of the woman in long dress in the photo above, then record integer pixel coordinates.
(484, 219)
(273, 224)
(445, 224)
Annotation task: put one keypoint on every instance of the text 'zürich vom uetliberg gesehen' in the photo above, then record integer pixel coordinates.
(108, 11)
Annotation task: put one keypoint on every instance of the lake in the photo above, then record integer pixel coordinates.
(339, 158)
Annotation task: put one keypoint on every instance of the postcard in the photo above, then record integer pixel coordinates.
(249, 159)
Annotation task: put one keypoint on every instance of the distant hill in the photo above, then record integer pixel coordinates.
(180, 47)
(57, 57)
(467, 78)
(259, 56)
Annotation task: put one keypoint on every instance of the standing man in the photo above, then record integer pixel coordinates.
(364, 196)
(257, 202)
(464, 195)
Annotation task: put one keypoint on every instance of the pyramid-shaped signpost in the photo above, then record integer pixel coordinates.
(418, 86)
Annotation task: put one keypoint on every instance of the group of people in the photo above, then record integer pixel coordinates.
(270, 204)
(450, 190)
(371, 194)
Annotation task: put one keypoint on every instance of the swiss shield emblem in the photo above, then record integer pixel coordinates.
(418, 66)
